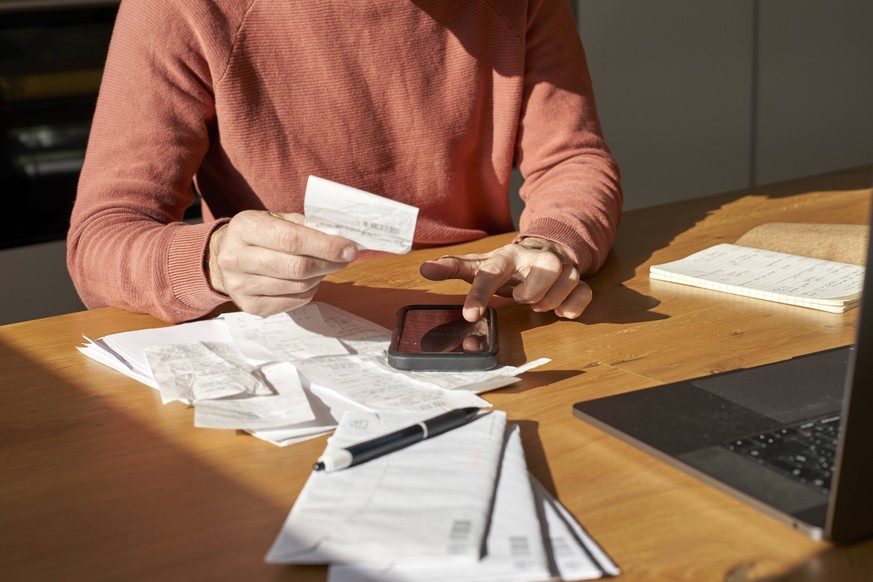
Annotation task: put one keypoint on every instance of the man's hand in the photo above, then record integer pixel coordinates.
(269, 262)
(534, 271)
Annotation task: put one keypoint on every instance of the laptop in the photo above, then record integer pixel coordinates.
(792, 438)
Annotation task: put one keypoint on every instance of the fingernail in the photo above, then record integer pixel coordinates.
(473, 314)
(349, 253)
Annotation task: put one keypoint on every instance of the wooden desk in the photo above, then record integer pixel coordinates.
(98, 480)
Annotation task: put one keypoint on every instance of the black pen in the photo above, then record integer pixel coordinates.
(393, 441)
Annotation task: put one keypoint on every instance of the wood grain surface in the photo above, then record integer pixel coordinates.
(100, 481)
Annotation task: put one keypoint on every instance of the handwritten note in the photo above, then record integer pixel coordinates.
(780, 277)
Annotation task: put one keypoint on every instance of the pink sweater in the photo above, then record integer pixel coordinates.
(430, 102)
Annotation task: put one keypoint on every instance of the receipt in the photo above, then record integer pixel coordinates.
(359, 335)
(290, 404)
(301, 333)
(370, 383)
(371, 221)
(476, 382)
(429, 501)
(575, 554)
(515, 550)
(192, 372)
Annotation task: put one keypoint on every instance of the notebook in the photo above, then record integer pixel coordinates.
(743, 432)
(769, 275)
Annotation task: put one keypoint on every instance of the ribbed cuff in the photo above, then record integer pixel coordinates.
(187, 269)
(557, 232)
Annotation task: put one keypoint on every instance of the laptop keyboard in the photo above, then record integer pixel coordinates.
(804, 452)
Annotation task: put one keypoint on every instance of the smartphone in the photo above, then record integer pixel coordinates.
(437, 337)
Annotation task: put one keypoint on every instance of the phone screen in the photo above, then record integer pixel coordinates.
(437, 337)
(442, 330)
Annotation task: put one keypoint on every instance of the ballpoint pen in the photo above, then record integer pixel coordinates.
(356, 454)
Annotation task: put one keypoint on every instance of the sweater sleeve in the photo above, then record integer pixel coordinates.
(127, 245)
(572, 189)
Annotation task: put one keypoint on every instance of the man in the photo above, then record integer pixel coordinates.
(429, 102)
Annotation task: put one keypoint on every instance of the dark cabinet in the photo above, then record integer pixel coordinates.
(51, 59)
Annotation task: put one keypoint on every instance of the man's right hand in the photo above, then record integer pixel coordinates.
(269, 262)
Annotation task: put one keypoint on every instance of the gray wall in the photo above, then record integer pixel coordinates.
(696, 97)
(704, 97)
(36, 283)
(815, 87)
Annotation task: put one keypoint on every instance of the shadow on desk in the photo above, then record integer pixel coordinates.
(535, 455)
(91, 490)
(834, 563)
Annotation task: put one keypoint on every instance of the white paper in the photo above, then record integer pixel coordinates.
(575, 554)
(97, 351)
(263, 338)
(328, 407)
(514, 548)
(372, 222)
(770, 275)
(479, 381)
(357, 378)
(430, 500)
(282, 437)
(288, 336)
(369, 382)
(130, 346)
(289, 404)
(192, 372)
(572, 553)
(359, 335)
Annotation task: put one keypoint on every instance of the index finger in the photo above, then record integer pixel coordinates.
(493, 274)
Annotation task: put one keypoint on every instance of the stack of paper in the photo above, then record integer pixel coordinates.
(287, 377)
(460, 506)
